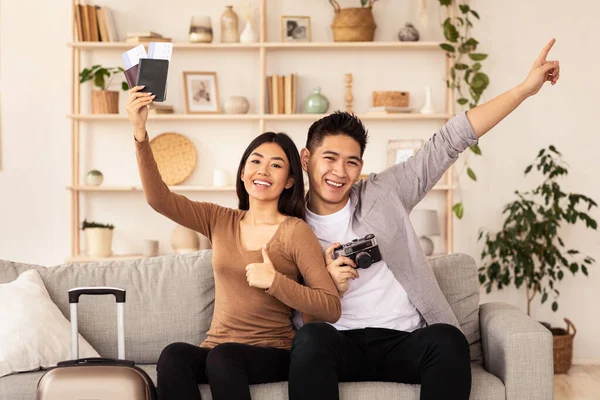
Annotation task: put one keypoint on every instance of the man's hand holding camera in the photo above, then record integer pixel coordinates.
(342, 269)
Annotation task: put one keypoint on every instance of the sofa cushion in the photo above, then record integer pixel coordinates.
(169, 299)
(34, 333)
(457, 276)
(485, 386)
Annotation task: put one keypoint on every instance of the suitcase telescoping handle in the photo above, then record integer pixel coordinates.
(97, 290)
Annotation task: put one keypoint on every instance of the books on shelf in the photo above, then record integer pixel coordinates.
(94, 24)
(281, 95)
(154, 108)
(390, 110)
(145, 37)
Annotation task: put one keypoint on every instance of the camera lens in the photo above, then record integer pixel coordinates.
(363, 260)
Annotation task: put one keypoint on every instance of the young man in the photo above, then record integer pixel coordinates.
(396, 325)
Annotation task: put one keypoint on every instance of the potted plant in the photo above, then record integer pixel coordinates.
(529, 250)
(104, 101)
(355, 24)
(98, 238)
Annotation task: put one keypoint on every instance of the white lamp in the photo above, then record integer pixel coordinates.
(426, 224)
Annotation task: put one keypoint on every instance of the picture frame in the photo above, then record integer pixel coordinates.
(201, 92)
(401, 150)
(295, 28)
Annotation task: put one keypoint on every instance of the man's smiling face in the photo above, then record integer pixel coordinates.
(332, 169)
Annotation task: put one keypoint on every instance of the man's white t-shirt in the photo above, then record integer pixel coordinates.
(375, 299)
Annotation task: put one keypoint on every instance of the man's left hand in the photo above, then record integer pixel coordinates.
(541, 71)
(261, 275)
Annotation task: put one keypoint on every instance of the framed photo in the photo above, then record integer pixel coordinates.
(295, 29)
(401, 150)
(201, 92)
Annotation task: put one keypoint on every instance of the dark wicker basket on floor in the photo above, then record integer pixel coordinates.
(563, 347)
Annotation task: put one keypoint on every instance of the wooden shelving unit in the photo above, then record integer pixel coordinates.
(76, 188)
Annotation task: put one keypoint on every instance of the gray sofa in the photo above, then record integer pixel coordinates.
(170, 299)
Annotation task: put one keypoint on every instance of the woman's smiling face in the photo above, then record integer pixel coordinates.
(267, 172)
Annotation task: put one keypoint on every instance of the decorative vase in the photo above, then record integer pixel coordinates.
(353, 24)
(236, 105)
(428, 106)
(201, 29)
(184, 240)
(98, 241)
(94, 178)
(408, 34)
(105, 102)
(316, 103)
(248, 34)
(229, 26)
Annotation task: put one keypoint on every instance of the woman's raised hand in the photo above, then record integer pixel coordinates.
(137, 110)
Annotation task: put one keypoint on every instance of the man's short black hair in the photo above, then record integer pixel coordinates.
(338, 123)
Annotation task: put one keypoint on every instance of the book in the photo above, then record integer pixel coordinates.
(94, 37)
(146, 39)
(85, 22)
(287, 82)
(78, 23)
(143, 34)
(294, 93)
(110, 25)
(102, 24)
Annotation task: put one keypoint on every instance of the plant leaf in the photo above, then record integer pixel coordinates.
(554, 306)
(471, 174)
(475, 149)
(475, 14)
(462, 101)
(124, 85)
(445, 2)
(464, 8)
(477, 56)
(461, 66)
(364, 2)
(459, 210)
(544, 297)
(447, 47)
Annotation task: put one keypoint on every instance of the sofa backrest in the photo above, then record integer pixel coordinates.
(170, 299)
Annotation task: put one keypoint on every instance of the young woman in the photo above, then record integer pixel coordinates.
(259, 252)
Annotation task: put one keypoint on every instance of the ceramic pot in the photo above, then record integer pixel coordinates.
(408, 34)
(201, 29)
(236, 105)
(184, 240)
(98, 242)
(229, 26)
(248, 34)
(94, 178)
(316, 103)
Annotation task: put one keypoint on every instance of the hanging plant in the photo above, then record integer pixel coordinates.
(466, 75)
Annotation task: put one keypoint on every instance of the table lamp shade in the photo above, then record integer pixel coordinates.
(425, 222)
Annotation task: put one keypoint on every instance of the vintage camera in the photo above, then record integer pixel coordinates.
(363, 251)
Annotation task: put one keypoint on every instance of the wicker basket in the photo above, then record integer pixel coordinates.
(563, 347)
(394, 99)
(105, 102)
(353, 24)
(175, 157)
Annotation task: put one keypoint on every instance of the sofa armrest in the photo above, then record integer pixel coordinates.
(518, 350)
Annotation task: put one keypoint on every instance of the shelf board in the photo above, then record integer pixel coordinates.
(183, 188)
(174, 188)
(267, 45)
(85, 258)
(256, 117)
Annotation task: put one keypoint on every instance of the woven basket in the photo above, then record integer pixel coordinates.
(175, 157)
(394, 99)
(563, 347)
(353, 24)
(105, 102)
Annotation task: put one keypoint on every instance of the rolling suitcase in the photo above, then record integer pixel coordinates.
(96, 378)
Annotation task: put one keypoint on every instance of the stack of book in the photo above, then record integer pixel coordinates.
(145, 37)
(94, 24)
(281, 94)
(390, 109)
(154, 108)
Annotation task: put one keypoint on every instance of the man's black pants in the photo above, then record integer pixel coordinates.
(436, 356)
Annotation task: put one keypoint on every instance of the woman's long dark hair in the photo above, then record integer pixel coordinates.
(291, 201)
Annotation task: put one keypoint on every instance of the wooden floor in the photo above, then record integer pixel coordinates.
(581, 383)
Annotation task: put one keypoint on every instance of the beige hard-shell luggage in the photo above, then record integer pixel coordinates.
(96, 378)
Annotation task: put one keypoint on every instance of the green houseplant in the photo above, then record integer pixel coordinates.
(104, 101)
(98, 238)
(529, 250)
(467, 78)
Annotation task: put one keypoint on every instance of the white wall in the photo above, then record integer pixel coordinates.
(35, 77)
